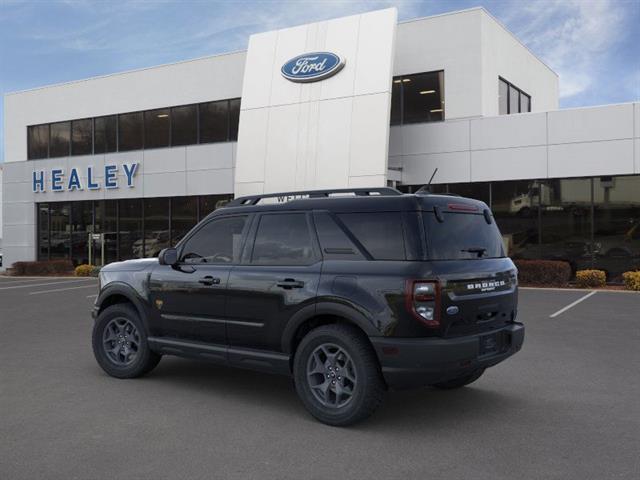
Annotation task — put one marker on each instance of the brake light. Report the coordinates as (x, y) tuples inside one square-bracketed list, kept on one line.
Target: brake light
[(423, 301), (462, 207)]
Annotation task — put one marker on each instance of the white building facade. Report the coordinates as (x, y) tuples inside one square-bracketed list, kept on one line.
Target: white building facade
[(121, 166)]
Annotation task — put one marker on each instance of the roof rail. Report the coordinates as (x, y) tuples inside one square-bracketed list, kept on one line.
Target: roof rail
[(288, 196)]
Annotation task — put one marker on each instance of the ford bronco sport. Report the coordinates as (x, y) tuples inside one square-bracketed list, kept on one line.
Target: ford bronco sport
[(349, 292)]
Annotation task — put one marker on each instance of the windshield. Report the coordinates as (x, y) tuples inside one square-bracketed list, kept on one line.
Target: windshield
[(462, 236)]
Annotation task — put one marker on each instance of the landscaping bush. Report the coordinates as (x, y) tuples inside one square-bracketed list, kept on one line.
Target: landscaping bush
[(95, 271), (84, 270), (553, 273), (631, 280), (48, 267), (591, 278)]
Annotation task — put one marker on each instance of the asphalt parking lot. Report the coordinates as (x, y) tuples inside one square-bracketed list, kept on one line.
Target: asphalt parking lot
[(567, 406)]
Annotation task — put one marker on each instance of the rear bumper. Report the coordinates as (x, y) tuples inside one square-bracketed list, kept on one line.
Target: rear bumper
[(415, 362)]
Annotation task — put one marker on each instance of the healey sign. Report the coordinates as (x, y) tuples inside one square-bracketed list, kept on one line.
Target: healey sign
[(312, 67), (57, 181)]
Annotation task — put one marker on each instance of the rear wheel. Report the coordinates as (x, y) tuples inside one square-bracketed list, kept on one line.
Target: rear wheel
[(337, 375), (120, 343), (460, 381)]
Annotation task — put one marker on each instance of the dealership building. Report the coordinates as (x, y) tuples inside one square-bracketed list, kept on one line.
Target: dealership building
[(120, 166)]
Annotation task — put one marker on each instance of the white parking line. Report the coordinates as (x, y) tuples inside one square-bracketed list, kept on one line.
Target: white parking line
[(61, 289), (92, 296), (45, 284), (573, 304)]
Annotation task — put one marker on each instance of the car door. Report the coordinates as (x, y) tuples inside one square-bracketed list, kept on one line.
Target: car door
[(278, 276), (189, 298)]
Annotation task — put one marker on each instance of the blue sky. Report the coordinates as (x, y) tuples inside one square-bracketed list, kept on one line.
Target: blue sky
[(594, 45)]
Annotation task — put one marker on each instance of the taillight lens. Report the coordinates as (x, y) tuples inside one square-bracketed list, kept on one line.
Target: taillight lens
[(423, 301)]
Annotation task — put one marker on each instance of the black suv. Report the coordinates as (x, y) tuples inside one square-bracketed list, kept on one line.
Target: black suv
[(350, 292)]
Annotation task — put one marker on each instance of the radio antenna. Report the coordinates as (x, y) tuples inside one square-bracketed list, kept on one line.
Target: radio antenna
[(425, 188)]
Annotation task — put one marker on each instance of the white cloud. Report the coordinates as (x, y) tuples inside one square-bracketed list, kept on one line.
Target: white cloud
[(572, 36)]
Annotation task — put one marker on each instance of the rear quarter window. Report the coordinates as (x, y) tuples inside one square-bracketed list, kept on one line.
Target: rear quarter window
[(380, 233)]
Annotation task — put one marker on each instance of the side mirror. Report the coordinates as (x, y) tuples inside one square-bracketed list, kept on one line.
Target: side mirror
[(168, 256)]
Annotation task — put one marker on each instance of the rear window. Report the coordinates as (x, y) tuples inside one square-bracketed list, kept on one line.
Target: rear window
[(462, 236), (380, 233)]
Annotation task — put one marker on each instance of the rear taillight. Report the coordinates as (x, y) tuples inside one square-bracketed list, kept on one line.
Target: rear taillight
[(423, 301)]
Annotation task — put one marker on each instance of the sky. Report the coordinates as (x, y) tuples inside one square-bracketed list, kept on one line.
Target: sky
[(593, 45)]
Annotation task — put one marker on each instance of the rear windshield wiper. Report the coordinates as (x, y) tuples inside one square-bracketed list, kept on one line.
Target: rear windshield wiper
[(479, 250)]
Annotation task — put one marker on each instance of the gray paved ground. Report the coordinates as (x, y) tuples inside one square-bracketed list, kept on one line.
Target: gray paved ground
[(567, 406)]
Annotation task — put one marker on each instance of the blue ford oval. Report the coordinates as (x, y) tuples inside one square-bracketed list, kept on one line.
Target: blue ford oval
[(311, 67)]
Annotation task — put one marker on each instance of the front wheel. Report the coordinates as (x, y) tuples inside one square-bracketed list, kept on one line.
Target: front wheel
[(337, 375), (120, 343), (460, 381)]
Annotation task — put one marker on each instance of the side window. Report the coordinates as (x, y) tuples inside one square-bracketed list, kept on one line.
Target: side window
[(283, 239), (217, 242), (380, 233)]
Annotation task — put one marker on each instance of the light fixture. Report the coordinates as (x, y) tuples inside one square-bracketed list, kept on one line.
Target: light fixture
[(425, 92), (406, 79), (397, 81), (163, 115), (436, 110)]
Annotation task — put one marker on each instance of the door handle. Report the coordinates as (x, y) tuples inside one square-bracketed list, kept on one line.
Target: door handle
[(289, 283), (209, 280)]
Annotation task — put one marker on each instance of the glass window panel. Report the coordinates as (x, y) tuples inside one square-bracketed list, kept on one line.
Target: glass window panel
[(218, 241), (617, 224), (283, 240), (43, 231), (234, 118), (156, 227), (157, 124), (380, 233), (184, 125), (514, 100), (130, 235), (105, 134), (60, 239), (59, 139), (106, 223), (184, 216), (565, 212), (81, 137), (209, 203), (38, 141), (214, 122), (81, 226), (130, 131), (514, 205), (422, 97), (525, 102), (503, 97), (396, 101), (478, 190)]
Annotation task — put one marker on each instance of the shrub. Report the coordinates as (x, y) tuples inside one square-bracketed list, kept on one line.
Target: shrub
[(48, 267), (552, 273), (631, 280), (95, 271), (591, 278), (84, 270)]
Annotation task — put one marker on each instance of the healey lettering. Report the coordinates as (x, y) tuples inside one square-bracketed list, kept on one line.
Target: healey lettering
[(57, 181)]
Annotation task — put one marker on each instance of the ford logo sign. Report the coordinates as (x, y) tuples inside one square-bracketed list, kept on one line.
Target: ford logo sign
[(312, 67)]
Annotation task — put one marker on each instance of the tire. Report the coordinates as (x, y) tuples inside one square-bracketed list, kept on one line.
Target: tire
[(318, 361), (130, 356), (460, 381)]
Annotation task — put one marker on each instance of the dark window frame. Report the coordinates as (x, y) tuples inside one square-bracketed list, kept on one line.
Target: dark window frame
[(521, 92), (231, 130), (400, 79)]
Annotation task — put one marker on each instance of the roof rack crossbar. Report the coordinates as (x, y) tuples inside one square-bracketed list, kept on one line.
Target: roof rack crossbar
[(287, 196)]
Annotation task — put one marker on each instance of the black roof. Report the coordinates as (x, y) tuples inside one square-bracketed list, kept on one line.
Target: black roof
[(360, 200)]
